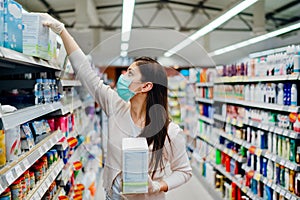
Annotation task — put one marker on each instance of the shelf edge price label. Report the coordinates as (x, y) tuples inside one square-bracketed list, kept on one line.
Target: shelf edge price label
[(9, 177), (26, 163), (293, 134), (286, 132), (294, 198), (18, 170), (288, 195), (1, 188), (282, 192), (282, 162)]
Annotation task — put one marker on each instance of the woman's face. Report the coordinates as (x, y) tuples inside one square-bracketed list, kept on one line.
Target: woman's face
[(134, 74)]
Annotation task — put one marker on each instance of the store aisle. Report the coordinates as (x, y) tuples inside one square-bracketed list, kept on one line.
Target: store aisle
[(192, 190)]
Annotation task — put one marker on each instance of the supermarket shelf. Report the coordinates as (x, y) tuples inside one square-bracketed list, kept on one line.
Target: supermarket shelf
[(42, 186), (213, 193), (13, 170), (259, 177), (69, 108), (208, 84), (206, 119), (11, 120), (246, 79), (70, 83), (204, 100), (20, 58), (222, 148), (88, 102), (260, 105), (259, 125), (245, 189), (282, 161), (274, 129), (274, 157)]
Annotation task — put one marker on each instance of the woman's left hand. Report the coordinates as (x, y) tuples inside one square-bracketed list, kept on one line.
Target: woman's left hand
[(153, 186)]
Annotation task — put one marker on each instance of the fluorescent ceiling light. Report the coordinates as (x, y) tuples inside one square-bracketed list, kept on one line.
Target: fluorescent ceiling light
[(211, 26), (127, 15), (124, 46), (255, 39), (123, 53)]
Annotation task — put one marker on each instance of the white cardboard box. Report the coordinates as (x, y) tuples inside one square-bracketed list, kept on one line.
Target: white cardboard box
[(135, 165), (35, 36)]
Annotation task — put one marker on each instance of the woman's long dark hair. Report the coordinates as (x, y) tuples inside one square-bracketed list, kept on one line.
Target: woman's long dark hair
[(157, 117)]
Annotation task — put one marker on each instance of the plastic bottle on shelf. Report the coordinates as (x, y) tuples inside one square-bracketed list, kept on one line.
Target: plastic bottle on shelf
[(294, 95), (38, 92), (47, 91), (280, 94), (252, 92)]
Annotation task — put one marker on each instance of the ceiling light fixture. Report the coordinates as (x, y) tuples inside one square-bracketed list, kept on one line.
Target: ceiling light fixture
[(127, 16), (211, 26), (255, 39)]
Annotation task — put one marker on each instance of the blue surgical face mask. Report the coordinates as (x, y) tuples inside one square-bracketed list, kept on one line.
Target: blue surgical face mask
[(123, 88)]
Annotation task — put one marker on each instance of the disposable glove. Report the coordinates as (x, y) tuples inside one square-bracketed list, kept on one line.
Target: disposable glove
[(55, 25), (153, 186)]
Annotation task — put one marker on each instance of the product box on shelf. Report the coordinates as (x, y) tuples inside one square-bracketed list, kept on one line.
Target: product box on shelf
[(2, 149), (135, 165), (1, 23), (13, 143), (52, 45), (13, 28), (36, 36), (27, 140)]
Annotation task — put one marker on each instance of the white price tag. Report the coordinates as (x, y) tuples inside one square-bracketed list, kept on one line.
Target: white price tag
[(18, 170), (278, 189), (9, 177), (43, 149), (48, 182), (1, 188), (294, 198), (26, 163), (265, 127), (293, 134), (274, 157), (286, 132), (288, 195), (282, 162), (272, 129), (265, 181), (45, 188), (282, 192), (278, 130)]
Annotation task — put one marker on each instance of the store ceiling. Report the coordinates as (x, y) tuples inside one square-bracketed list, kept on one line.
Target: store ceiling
[(160, 24)]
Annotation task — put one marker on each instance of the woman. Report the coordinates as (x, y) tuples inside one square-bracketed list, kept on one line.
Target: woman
[(139, 108)]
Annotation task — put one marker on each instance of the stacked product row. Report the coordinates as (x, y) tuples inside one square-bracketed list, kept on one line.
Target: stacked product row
[(24, 32), (281, 93), (21, 187), (283, 63)]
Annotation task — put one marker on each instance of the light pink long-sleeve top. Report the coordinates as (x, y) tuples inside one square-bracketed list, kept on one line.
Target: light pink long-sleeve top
[(121, 125)]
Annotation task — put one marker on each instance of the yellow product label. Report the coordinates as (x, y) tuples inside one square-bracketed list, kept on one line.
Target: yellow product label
[(2, 149)]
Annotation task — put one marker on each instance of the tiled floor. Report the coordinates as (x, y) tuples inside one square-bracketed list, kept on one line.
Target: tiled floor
[(193, 190)]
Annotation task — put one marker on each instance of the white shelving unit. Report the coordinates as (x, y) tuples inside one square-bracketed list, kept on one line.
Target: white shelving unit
[(70, 83), (246, 79), (206, 84), (42, 186), (11, 120), (204, 100), (268, 106), (206, 119), (13, 170)]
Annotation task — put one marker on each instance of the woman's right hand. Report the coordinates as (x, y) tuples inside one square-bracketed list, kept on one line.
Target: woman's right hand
[(52, 23)]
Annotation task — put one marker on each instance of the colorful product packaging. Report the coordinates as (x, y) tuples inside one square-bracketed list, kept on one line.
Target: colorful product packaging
[(13, 143), (13, 28), (2, 149), (35, 36), (135, 165)]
